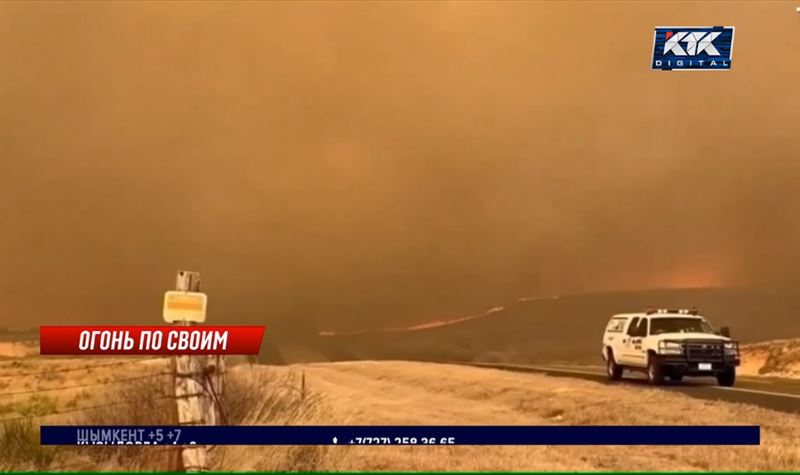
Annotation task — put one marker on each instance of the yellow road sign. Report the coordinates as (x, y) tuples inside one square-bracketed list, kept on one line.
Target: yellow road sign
[(184, 306)]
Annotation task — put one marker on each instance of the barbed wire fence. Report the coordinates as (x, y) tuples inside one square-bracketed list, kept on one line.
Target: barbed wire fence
[(115, 392), (107, 394), (195, 386), (139, 396), (51, 374), (80, 368)]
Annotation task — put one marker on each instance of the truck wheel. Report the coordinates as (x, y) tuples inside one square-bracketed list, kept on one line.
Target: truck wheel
[(613, 370), (655, 373), (727, 377)]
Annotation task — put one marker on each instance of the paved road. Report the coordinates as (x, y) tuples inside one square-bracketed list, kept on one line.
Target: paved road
[(779, 394)]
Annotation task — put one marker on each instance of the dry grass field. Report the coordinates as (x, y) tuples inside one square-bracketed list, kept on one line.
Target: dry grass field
[(17, 349), (378, 393), (421, 393)]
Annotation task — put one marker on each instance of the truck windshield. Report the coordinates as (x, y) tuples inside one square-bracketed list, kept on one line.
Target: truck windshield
[(679, 325)]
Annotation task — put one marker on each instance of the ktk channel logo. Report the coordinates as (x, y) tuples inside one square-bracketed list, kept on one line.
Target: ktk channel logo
[(693, 48)]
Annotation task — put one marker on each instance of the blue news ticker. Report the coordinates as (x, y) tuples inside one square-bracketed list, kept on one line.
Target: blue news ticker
[(400, 435)]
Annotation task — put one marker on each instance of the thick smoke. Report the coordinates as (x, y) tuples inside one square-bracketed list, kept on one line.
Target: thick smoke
[(358, 165)]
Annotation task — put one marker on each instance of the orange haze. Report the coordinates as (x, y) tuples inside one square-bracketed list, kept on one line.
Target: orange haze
[(361, 165)]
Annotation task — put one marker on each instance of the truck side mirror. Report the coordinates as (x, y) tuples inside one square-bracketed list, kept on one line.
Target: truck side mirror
[(725, 331)]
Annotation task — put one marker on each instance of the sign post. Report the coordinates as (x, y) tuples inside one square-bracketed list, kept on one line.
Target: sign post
[(187, 306)]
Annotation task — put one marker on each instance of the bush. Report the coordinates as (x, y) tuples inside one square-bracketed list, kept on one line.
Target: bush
[(20, 448), (36, 405), (260, 396)]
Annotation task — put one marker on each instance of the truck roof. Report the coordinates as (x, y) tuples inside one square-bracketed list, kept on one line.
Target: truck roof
[(657, 315)]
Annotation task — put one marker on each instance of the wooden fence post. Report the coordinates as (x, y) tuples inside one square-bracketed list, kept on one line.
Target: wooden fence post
[(190, 387), (174, 459)]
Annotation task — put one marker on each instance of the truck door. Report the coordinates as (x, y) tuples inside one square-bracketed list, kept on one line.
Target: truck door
[(614, 334), (638, 351), (627, 354)]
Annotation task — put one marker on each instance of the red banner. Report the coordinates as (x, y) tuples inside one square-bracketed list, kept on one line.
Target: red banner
[(150, 340)]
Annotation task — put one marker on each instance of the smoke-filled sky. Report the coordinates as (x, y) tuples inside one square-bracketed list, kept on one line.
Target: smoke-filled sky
[(372, 164)]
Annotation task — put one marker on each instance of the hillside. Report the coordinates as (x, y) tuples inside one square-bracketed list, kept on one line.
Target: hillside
[(562, 329), (772, 358)]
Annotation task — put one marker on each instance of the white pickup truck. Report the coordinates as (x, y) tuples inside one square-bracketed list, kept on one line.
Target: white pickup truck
[(669, 343)]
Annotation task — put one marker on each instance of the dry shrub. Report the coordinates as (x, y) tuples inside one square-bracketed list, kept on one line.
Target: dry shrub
[(260, 396), (20, 448), (37, 405), (257, 396)]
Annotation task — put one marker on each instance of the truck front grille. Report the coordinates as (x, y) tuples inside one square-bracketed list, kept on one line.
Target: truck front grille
[(704, 351)]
